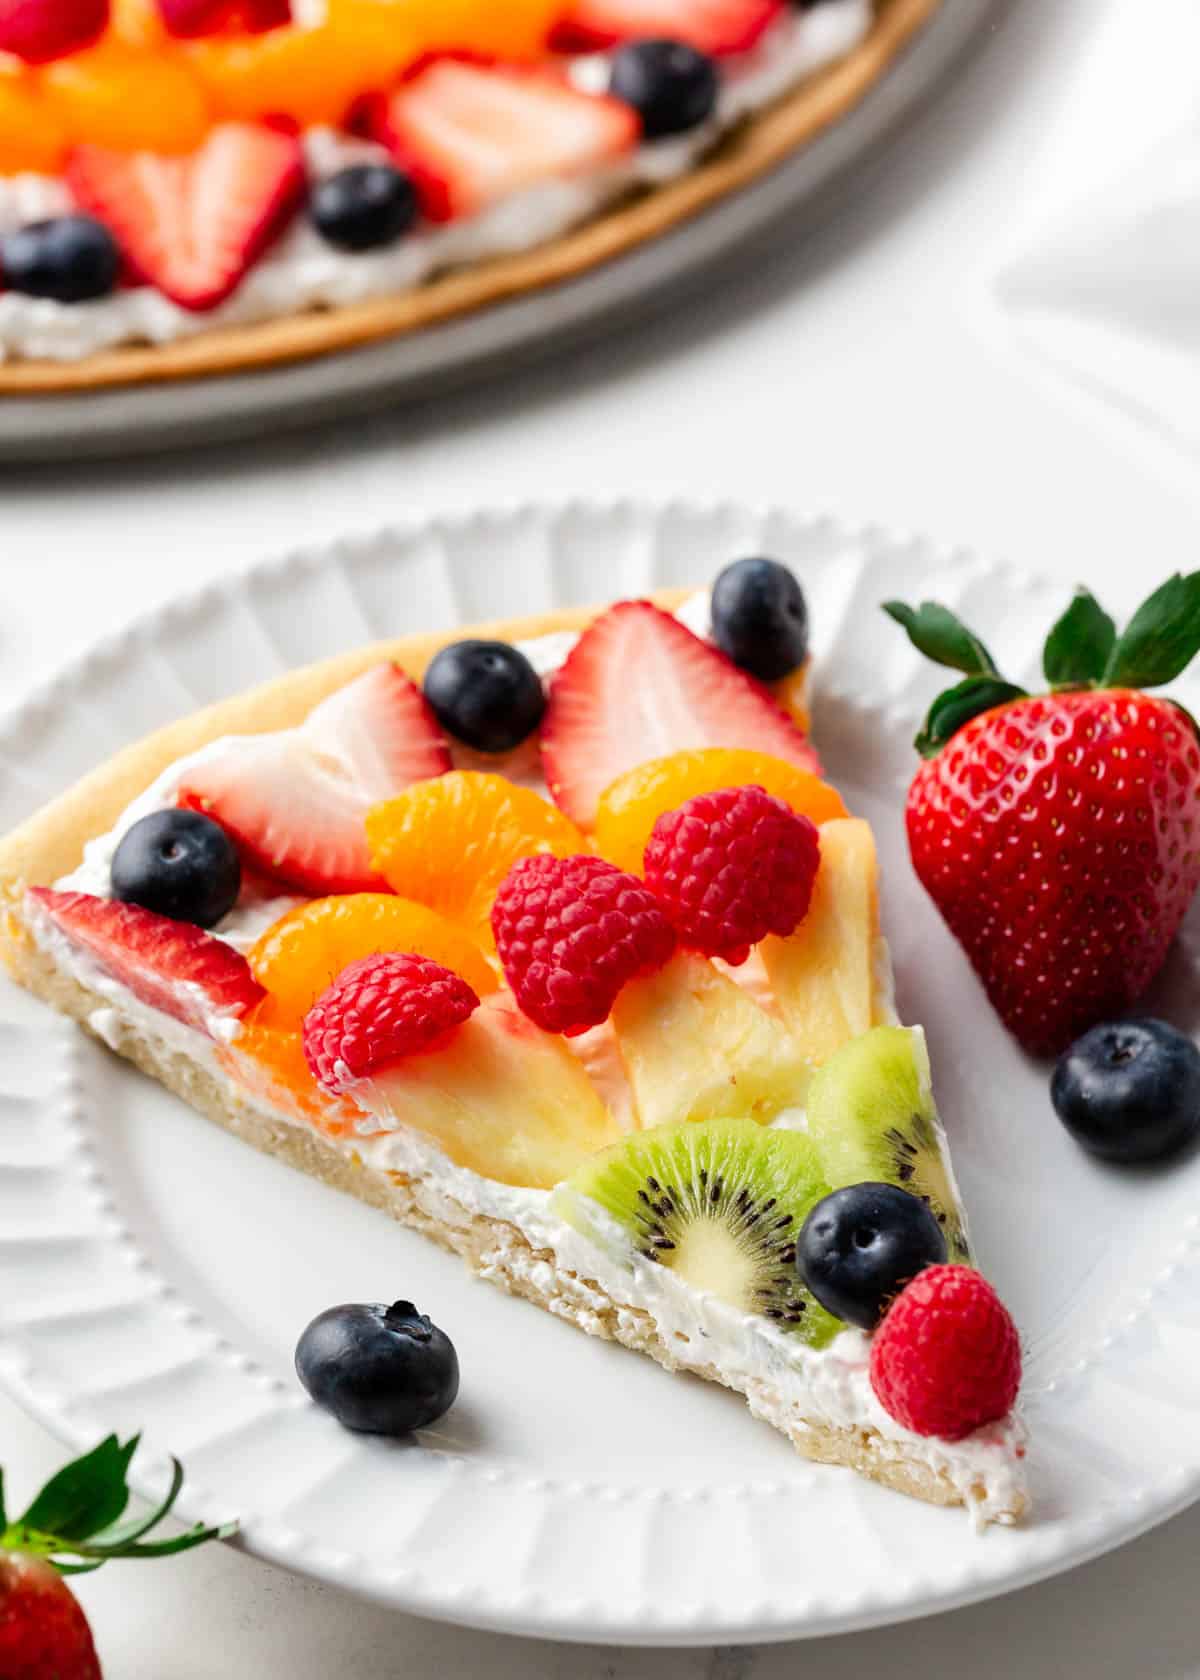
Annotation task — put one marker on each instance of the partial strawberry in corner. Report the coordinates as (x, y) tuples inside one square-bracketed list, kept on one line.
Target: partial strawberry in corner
[(1059, 833), (713, 26), (172, 966), (194, 226), (72, 1527), (296, 801), (40, 31), (639, 685), (469, 134)]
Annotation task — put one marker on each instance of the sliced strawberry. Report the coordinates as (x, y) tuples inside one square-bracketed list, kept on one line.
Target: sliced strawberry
[(41, 30), (296, 801), (261, 15), (470, 134), (639, 685), (714, 26), (172, 966), (188, 18), (193, 226)]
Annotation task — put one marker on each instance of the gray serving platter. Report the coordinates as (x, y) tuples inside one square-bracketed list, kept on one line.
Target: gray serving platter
[(173, 414)]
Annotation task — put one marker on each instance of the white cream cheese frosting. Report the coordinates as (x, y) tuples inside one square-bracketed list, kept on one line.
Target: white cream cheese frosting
[(304, 272)]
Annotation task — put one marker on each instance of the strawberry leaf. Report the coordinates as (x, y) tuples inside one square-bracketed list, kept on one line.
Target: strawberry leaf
[(85, 1496), (935, 631), (194, 1536), (1080, 645), (1161, 638), (958, 705), (121, 1539), (121, 1534), (74, 1523)]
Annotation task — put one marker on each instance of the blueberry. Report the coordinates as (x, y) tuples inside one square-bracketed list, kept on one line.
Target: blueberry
[(179, 864), (759, 618), (861, 1245), (485, 693), (1129, 1090), (382, 1370), (670, 85), (71, 259), (364, 206)]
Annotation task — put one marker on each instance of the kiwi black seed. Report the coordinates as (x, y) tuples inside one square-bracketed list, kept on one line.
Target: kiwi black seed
[(720, 1203), (872, 1117)]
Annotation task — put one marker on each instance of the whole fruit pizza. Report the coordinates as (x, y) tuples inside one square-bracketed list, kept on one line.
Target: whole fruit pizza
[(553, 941), (194, 186)]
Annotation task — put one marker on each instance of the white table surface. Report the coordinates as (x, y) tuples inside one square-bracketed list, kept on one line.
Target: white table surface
[(857, 369)]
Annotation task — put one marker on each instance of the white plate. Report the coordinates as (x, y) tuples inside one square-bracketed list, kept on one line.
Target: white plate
[(155, 1273), (416, 365)]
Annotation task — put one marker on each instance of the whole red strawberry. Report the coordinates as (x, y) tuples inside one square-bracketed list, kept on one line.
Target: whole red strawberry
[(73, 1525), (1059, 834), (946, 1358), (732, 867), (43, 1630)]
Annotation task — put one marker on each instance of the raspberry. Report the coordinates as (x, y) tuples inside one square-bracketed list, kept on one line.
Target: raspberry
[(380, 1008), (946, 1358), (571, 932), (732, 867)]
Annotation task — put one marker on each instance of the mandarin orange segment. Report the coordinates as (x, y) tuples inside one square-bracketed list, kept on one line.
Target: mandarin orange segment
[(518, 29), (315, 74), (308, 948), (631, 806), (31, 137), (126, 98), (450, 841), (269, 1062)]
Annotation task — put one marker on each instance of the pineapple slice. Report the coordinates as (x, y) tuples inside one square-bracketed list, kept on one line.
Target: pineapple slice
[(502, 1097), (823, 975), (696, 1046)]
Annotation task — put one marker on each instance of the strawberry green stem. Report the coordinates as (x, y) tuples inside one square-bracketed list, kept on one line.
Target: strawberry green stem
[(74, 1522), (1082, 651)]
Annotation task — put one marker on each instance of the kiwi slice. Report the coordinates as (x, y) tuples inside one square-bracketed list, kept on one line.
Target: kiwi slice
[(718, 1202), (872, 1117)]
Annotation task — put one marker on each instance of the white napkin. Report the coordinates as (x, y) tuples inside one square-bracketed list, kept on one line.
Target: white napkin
[(1105, 281)]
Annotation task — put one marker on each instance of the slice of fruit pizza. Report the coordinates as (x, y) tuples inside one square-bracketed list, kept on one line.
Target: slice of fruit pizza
[(553, 942)]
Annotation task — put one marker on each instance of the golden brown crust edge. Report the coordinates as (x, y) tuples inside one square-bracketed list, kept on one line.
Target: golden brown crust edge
[(489, 1246), (756, 148), (50, 843)]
